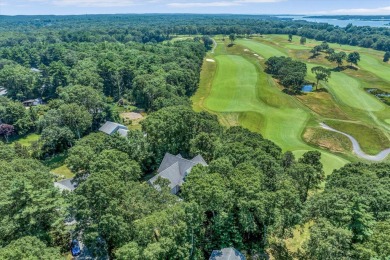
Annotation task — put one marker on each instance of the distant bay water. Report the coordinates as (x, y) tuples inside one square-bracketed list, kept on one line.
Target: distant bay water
[(341, 23)]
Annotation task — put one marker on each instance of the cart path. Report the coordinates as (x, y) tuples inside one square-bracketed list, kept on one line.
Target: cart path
[(356, 147)]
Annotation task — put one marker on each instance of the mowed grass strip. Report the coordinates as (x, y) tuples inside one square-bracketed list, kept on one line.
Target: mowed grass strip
[(234, 85)]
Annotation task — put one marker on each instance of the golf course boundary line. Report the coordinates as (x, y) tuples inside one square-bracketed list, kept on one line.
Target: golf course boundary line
[(356, 147)]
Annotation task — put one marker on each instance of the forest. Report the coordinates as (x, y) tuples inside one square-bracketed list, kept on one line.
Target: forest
[(85, 70)]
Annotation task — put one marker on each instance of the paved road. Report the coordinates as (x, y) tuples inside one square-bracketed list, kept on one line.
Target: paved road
[(356, 147)]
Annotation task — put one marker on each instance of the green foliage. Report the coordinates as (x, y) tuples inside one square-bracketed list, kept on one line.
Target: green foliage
[(303, 40), (386, 57), (337, 57), (321, 73), (20, 82), (15, 114), (30, 203), (29, 248), (232, 38), (171, 129), (290, 73), (107, 206), (353, 58), (361, 222), (355, 200), (328, 242), (118, 163)]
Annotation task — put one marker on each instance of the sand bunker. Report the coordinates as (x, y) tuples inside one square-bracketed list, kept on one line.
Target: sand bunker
[(246, 50), (257, 55), (210, 60)]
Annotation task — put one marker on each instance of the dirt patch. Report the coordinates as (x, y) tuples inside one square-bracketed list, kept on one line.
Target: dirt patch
[(328, 140), (131, 116)]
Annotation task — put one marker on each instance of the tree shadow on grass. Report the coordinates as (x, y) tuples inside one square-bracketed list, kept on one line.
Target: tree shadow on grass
[(339, 69), (351, 67)]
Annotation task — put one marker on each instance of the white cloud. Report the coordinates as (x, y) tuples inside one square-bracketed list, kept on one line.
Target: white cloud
[(362, 11)]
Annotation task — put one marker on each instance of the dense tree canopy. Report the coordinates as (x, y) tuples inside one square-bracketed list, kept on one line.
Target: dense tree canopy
[(88, 69), (289, 72)]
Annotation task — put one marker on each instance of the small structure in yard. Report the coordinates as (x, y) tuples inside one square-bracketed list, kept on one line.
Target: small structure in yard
[(35, 70), (32, 102), (175, 168), (65, 185), (111, 128), (227, 254)]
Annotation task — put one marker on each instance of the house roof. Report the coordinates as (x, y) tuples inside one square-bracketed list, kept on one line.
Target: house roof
[(175, 168), (3, 91), (65, 185), (227, 254), (123, 132), (111, 127)]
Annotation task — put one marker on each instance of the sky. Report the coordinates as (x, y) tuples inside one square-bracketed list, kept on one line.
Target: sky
[(327, 7)]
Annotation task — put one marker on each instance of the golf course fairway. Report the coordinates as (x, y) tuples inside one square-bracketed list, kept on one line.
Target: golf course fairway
[(241, 87)]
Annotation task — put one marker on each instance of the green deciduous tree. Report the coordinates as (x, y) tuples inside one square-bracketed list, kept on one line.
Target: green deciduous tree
[(361, 222), (386, 57), (321, 73), (353, 58), (29, 247), (338, 58), (328, 242), (20, 82), (232, 38)]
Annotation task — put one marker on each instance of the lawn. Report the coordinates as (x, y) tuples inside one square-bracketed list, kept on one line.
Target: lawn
[(28, 140), (63, 171)]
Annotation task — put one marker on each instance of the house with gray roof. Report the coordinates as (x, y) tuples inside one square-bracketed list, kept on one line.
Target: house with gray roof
[(111, 128), (3, 91), (66, 184), (175, 168), (227, 254)]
